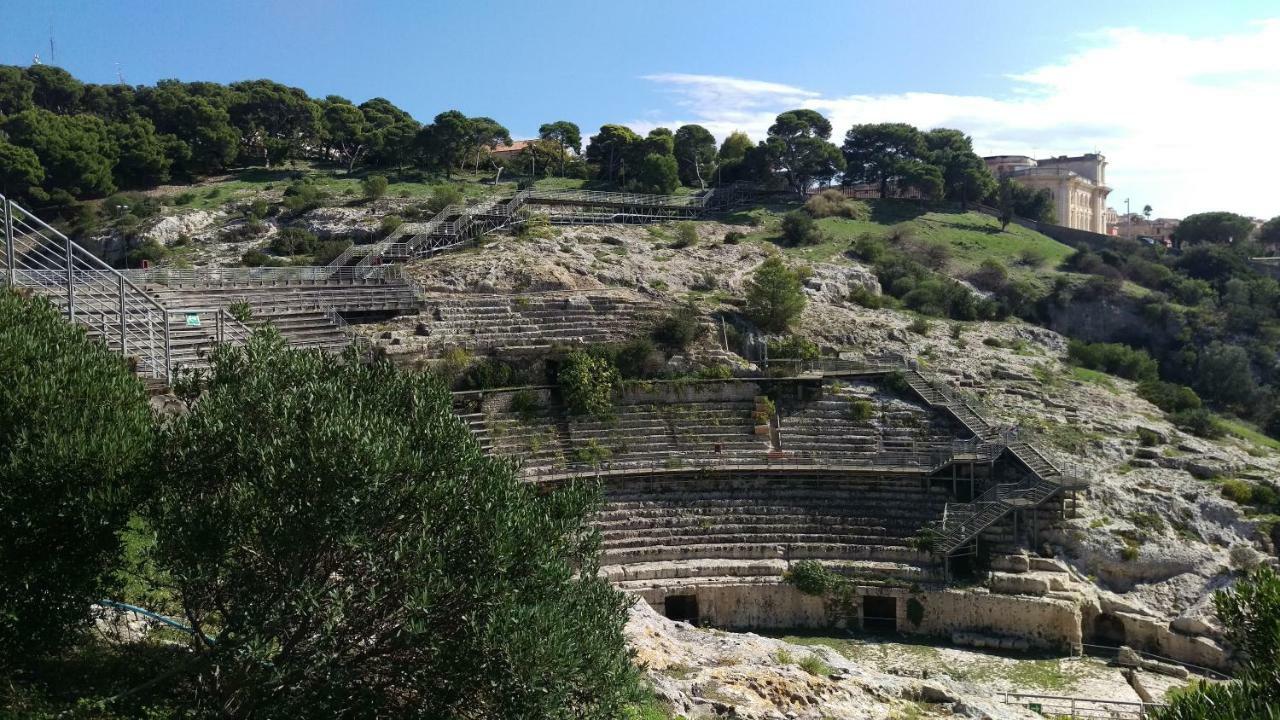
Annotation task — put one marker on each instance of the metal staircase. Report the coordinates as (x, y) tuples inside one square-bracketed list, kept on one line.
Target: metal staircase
[(157, 339), (962, 522)]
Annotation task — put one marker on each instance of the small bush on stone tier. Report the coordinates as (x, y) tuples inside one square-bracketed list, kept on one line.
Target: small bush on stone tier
[(680, 328), (587, 384), (75, 433), (1169, 397), (919, 326), (896, 382), (810, 577), (793, 347), (814, 665), (733, 237), (240, 311), (1148, 437), (861, 410), (293, 241), (525, 404)]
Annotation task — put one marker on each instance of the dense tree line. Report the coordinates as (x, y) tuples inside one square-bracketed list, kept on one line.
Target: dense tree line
[(63, 140)]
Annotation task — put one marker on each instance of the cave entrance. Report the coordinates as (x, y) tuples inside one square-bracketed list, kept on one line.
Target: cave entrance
[(1108, 630), (681, 607), (879, 614)]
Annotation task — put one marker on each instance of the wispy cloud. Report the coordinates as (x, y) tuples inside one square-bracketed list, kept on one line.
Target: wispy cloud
[(1186, 122)]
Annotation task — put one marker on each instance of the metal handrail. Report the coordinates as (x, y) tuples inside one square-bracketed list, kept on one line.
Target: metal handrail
[(262, 275), (92, 293)]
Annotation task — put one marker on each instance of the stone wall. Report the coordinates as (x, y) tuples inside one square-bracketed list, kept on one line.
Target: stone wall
[(1042, 622)]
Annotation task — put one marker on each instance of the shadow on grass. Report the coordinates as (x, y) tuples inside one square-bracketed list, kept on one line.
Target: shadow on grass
[(890, 212)]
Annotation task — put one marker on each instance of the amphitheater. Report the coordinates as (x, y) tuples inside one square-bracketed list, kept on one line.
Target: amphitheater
[(713, 489)]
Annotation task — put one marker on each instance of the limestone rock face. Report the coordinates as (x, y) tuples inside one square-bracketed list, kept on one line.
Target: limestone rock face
[(705, 674)]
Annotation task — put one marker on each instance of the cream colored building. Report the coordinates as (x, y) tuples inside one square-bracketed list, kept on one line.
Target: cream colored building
[(1078, 185)]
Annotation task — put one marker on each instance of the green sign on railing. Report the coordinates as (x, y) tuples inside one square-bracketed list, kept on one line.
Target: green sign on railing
[(193, 319)]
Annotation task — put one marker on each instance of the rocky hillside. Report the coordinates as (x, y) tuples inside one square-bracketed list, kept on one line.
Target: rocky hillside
[(1156, 534)]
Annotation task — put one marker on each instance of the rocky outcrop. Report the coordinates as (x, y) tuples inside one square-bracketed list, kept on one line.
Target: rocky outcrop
[(704, 674)]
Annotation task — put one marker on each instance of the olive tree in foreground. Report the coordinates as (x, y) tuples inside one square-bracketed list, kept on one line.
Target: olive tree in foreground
[(75, 430), (349, 551), (1251, 614)]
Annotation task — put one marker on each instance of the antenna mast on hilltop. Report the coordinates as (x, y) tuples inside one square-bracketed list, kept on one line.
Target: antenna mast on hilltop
[(120, 74)]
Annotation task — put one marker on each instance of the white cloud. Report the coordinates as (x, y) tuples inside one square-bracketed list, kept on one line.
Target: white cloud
[(1185, 122)]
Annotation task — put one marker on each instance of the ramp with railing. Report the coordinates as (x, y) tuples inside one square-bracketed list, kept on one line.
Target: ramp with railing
[(459, 224), (156, 338)]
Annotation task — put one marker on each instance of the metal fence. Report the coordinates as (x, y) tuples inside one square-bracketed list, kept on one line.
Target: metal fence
[(1065, 706)]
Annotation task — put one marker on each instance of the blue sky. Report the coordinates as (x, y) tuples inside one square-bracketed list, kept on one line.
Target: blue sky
[(1013, 74)]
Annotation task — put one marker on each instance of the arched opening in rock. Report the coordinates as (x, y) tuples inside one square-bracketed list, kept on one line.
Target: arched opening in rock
[(1108, 630), (681, 607), (879, 614)]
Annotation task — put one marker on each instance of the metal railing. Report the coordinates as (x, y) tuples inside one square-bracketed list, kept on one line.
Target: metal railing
[(104, 300), (303, 274), (1065, 706), (131, 322)]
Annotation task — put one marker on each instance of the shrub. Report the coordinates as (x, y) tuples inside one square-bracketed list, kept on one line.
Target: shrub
[(798, 228), (303, 195), (257, 258), (389, 224), (1032, 257), (833, 203), (686, 236), (150, 251), (184, 198), (861, 410), (1239, 491), (809, 577), (636, 358), (293, 241), (442, 196), (1169, 397), (793, 347), (1113, 358), (373, 187), (310, 460), (934, 255), (775, 295), (525, 404), (241, 311), (1199, 422), (75, 432), (326, 251), (867, 298), (919, 326), (814, 665), (489, 373), (718, 371), (733, 237), (587, 384), (257, 210), (991, 275), (680, 328), (901, 234)]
